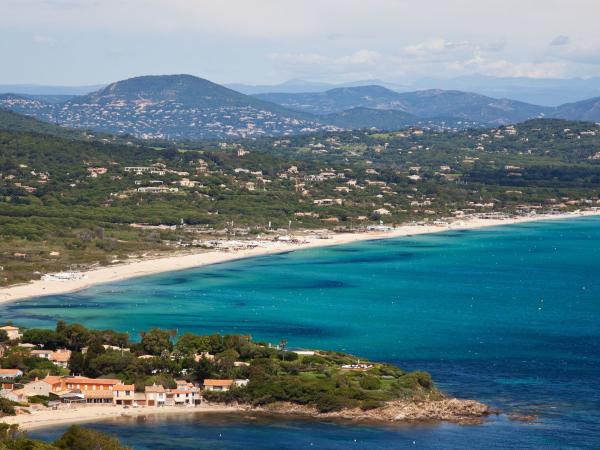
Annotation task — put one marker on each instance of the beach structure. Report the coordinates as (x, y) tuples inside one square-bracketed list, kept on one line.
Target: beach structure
[(92, 390), (64, 276), (182, 397), (156, 395), (186, 394), (357, 367), (123, 394), (303, 352)]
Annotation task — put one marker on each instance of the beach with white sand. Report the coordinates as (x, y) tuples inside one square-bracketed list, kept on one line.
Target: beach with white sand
[(305, 240)]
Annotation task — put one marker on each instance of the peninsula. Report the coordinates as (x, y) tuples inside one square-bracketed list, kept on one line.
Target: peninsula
[(74, 374)]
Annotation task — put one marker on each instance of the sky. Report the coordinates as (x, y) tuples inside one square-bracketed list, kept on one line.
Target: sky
[(86, 42)]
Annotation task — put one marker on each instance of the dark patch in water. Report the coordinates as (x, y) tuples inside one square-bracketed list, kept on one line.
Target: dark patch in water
[(41, 317), (340, 249), (172, 281), (210, 275), (291, 283), (377, 259), (415, 245)]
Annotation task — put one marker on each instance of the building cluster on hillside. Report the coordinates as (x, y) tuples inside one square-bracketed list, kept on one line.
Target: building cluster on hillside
[(78, 389), (167, 119), (85, 390)]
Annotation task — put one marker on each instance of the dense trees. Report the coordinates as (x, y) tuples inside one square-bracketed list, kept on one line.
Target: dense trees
[(274, 374), (156, 341), (75, 438), (79, 438)]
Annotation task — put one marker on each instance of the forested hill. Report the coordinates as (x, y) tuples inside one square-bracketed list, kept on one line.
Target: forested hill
[(17, 122), (185, 90)]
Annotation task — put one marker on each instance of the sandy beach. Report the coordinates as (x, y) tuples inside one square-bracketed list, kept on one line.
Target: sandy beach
[(95, 413), (139, 268)]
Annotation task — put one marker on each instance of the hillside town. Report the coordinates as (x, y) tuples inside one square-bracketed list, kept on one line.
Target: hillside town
[(167, 120)]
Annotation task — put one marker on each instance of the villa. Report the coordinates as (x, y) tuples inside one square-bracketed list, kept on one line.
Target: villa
[(9, 374), (217, 385), (59, 357), (123, 394), (156, 395), (12, 332)]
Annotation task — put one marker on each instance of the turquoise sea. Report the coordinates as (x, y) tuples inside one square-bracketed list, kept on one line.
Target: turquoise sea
[(505, 315)]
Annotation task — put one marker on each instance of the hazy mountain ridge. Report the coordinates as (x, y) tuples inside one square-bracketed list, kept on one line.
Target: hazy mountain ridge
[(434, 103), (182, 107), (538, 91), (586, 110), (425, 104), (339, 99)]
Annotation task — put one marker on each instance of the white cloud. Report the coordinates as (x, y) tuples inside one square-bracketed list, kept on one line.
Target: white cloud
[(337, 39), (430, 57)]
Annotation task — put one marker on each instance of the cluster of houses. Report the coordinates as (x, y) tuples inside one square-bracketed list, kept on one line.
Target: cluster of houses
[(84, 390)]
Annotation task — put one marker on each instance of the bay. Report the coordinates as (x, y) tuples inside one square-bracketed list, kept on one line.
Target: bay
[(506, 315)]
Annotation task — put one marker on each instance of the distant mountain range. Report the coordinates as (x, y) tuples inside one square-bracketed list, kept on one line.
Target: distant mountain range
[(187, 107), (538, 91), (298, 86), (433, 103)]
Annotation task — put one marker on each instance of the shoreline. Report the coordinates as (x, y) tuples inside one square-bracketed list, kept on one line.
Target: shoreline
[(449, 410), (49, 418), (172, 263)]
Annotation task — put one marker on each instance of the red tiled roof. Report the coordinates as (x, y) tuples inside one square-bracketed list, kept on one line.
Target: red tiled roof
[(98, 394), (52, 379), (124, 387), (159, 389), (209, 382), (61, 356), (41, 352), (86, 380)]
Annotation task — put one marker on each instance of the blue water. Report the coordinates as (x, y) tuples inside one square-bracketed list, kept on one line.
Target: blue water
[(506, 315)]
